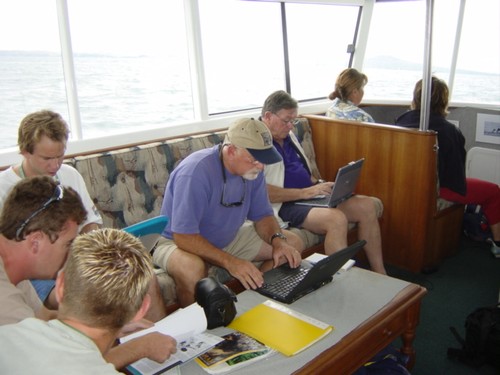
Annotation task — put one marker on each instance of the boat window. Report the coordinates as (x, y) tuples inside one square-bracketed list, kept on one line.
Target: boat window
[(477, 79), (242, 53), (31, 74), (131, 64), (394, 54), (242, 67), (318, 51)]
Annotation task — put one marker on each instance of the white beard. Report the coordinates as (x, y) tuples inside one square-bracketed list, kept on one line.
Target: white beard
[(251, 174)]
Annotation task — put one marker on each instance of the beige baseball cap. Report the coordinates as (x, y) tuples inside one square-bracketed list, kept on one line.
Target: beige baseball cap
[(255, 137)]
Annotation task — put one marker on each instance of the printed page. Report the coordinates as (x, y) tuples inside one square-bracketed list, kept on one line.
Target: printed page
[(186, 350), (181, 324)]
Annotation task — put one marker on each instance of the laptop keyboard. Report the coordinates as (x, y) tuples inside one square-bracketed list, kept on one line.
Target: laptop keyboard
[(284, 285), (323, 200)]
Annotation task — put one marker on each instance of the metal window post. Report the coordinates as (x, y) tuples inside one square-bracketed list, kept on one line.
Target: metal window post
[(427, 77)]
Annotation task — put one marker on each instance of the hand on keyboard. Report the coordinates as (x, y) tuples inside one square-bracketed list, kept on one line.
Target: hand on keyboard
[(314, 191), (246, 272)]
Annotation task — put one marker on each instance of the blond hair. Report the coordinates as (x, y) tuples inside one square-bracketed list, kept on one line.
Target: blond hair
[(106, 277)]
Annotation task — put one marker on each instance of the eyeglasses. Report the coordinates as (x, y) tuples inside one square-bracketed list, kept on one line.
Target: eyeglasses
[(57, 196), (222, 200), (233, 204), (293, 121)]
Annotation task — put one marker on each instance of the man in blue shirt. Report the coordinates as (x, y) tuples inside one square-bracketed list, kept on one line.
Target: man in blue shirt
[(291, 180), (220, 214)]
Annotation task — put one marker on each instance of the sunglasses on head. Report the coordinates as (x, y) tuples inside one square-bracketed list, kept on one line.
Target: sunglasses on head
[(57, 196)]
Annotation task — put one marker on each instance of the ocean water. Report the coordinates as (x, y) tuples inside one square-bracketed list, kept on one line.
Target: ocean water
[(118, 94)]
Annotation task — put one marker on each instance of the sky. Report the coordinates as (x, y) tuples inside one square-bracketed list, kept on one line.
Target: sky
[(478, 33), (117, 25)]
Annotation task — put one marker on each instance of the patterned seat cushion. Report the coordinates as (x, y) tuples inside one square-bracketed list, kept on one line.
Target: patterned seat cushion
[(127, 185)]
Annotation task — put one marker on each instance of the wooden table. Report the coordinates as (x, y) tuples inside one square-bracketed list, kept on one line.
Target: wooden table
[(399, 318), (368, 311)]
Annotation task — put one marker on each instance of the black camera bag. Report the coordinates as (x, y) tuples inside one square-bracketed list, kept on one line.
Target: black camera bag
[(217, 300)]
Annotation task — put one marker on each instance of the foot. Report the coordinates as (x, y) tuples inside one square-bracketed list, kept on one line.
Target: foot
[(495, 249)]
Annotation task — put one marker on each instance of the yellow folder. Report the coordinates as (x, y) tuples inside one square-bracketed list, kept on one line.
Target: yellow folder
[(280, 327)]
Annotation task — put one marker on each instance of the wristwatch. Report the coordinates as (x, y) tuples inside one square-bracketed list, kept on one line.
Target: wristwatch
[(277, 235)]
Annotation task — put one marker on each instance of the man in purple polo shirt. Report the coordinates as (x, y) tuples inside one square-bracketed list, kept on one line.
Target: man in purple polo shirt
[(291, 180), (220, 214)]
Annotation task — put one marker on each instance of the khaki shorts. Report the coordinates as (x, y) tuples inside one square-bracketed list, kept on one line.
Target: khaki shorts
[(310, 239), (246, 245)]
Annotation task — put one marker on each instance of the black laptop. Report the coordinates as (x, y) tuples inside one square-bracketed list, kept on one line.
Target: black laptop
[(343, 188), (287, 284)]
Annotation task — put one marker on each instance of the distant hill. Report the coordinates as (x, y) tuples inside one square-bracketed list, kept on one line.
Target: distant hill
[(390, 62)]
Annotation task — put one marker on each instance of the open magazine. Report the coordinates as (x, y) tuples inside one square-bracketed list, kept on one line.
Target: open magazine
[(187, 326), (237, 350)]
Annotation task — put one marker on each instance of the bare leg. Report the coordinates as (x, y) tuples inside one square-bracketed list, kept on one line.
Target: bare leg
[(362, 210), (157, 310), (330, 222), (186, 269), (495, 231)]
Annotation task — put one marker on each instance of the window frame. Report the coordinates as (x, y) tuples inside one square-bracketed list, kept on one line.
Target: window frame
[(203, 120)]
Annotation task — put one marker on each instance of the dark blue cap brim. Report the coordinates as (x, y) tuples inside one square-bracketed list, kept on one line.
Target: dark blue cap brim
[(268, 156)]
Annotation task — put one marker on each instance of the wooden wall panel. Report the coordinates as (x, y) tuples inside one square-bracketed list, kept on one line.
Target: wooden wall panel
[(400, 169)]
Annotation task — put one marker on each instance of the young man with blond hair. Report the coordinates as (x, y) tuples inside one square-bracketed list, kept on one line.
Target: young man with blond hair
[(42, 139)]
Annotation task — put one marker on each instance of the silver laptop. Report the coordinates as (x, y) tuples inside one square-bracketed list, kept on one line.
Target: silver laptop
[(343, 189)]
